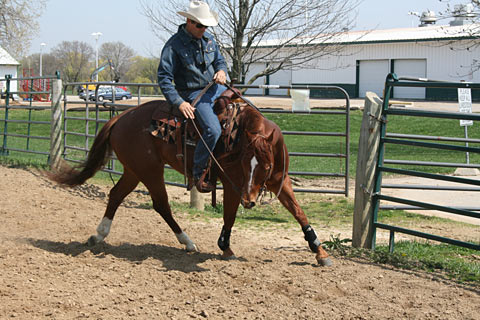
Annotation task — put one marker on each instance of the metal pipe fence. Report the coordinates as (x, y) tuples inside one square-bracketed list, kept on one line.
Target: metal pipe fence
[(79, 133), (408, 140), (26, 133)]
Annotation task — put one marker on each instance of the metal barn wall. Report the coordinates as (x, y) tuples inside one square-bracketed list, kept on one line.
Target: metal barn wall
[(8, 70), (444, 61)]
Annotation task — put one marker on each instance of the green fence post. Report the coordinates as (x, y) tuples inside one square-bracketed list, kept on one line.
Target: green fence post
[(3, 150)]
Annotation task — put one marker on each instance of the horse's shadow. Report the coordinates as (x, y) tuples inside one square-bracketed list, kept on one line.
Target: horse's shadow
[(172, 258)]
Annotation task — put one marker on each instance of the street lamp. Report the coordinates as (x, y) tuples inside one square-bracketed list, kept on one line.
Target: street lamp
[(96, 35), (43, 44)]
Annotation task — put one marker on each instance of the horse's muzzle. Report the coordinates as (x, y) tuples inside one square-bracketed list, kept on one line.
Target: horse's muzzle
[(248, 204)]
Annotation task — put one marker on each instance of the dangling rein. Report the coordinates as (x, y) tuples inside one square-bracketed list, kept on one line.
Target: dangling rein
[(263, 189), (205, 144)]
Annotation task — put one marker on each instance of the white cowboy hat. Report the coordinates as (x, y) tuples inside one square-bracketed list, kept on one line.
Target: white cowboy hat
[(199, 11)]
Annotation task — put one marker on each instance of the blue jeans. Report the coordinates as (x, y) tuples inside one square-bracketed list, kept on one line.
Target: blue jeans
[(208, 121)]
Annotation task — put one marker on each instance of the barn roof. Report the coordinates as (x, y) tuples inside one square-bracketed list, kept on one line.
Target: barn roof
[(417, 34), (7, 59), (428, 33)]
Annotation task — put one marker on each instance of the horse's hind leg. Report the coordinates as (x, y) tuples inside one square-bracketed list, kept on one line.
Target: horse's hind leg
[(156, 186), (124, 186)]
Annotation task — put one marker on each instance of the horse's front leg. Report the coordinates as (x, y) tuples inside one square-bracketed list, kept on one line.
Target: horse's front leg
[(288, 200), (231, 201)]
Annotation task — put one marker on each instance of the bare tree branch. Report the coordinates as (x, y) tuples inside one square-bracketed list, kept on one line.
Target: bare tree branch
[(18, 24), (73, 58), (281, 34), (120, 54), (470, 15)]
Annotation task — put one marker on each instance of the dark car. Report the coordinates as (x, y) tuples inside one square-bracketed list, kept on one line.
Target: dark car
[(107, 94)]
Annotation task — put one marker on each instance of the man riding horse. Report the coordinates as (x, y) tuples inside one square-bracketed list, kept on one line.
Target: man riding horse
[(258, 153), (190, 60)]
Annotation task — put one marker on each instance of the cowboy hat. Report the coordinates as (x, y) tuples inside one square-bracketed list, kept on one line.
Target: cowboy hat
[(199, 11)]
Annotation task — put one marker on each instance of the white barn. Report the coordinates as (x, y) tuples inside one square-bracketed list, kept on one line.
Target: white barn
[(433, 52), (8, 66)]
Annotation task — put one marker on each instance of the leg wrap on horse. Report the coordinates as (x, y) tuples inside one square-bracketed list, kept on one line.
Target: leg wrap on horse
[(311, 237), (224, 240)]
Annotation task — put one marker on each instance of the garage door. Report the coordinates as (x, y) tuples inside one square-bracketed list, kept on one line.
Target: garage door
[(281, 78), (372, 76), (254, 69), (412, 68)]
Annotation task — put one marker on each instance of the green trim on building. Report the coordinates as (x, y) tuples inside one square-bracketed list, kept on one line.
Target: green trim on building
[(446, 94), (330, 93)]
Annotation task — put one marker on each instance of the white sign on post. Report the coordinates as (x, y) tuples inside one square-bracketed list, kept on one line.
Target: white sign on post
[(465, 104)]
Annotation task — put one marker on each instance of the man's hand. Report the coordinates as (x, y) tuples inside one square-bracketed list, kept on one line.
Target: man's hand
[(220, 77), (187, 110)]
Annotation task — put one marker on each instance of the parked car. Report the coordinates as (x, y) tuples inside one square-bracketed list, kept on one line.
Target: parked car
[(120, 94), (106, 93)]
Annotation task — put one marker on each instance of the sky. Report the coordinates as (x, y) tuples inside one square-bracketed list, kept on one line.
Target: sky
[(122, 20)]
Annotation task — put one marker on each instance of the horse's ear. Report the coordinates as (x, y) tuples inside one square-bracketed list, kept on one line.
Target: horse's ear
[(270, 137)]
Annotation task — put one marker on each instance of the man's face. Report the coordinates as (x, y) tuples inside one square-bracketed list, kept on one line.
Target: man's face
[(196, 29)]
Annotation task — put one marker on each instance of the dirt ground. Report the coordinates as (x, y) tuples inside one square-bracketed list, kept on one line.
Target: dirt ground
[(142, 272)]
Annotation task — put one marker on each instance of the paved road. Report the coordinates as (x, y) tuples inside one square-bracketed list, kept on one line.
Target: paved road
[(443, 198)]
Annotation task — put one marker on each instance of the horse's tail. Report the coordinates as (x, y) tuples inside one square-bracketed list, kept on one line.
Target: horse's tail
[(97, 157)]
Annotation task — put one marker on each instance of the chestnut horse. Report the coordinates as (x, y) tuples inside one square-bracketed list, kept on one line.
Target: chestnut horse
[(260, 153)]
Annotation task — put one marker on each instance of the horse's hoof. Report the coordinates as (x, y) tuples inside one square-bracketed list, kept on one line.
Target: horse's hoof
[(92, 241), (228, 255), (325, 262), (228, 258), (191, 248)]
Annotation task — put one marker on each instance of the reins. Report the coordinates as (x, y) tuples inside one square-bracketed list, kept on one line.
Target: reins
[(263, 189), (205, 143)]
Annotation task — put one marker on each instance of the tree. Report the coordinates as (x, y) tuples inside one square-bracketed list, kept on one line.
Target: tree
[(73, 60), (120, 55), (143, 70), (31, 64), (280, 34), (18, 24)]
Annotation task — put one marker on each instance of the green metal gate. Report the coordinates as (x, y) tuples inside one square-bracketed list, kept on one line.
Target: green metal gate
[(385, 165), (27, 128)]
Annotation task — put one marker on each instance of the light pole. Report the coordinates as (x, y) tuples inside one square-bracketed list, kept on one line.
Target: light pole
[(43, 44), (96, 35)]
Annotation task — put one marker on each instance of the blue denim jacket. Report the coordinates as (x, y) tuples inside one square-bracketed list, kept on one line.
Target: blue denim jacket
[(183, 67)]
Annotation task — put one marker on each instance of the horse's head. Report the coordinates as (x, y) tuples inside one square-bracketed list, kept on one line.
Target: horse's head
[(257, 166)]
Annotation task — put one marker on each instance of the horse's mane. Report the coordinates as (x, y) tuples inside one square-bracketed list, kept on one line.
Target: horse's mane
[(251, 119)]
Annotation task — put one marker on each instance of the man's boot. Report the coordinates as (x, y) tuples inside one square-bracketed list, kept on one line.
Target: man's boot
[(203, 185)]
